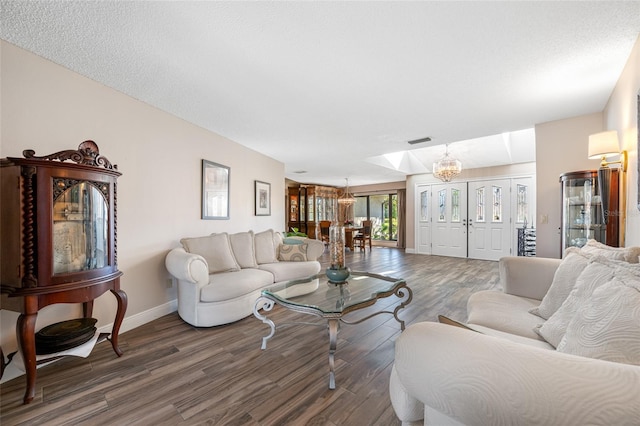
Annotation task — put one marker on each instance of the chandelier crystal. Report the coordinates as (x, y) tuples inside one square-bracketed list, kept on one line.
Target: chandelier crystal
[(447, 167), (346, 199)]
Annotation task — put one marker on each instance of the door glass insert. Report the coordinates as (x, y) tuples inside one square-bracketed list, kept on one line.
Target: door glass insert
[(497, 204), (455, 205), (480, 213), (522, 206), (442, 203), (80, 226), (424, 205)]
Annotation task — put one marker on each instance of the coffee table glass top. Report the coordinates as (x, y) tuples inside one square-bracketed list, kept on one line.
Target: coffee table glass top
[(316, 292)]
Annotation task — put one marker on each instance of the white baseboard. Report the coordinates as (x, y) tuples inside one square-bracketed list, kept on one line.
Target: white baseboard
[(409, 250), (135, 321), (129, 323)]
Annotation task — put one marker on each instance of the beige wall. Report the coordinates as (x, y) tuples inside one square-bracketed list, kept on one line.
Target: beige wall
[(389, 187), (621, 114), (48, 108), (561, 146)]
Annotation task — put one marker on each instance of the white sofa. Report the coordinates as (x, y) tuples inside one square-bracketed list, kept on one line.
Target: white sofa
[(220, 276), (504, 371)]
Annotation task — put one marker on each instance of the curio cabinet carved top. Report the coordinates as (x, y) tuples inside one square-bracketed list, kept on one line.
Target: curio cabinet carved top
[(58, 217)]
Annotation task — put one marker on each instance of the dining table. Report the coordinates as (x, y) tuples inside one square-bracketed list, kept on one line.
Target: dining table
[(349, 233)]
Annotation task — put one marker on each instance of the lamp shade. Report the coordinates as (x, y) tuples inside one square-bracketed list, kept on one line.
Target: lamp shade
[(604, 144)]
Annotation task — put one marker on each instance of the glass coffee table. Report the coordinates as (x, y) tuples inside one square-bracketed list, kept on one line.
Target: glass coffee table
[(317, 296)]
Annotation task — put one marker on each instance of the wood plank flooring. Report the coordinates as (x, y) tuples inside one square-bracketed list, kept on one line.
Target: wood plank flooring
[(174, 374)]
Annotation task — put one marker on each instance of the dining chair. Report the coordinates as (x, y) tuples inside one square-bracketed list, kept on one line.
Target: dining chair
[(324, 231), (361, 238)]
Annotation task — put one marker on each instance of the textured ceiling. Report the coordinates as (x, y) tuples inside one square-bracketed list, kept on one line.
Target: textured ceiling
[(330, 87)]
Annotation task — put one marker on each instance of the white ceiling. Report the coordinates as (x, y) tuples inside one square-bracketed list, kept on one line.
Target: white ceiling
[(330, 87)]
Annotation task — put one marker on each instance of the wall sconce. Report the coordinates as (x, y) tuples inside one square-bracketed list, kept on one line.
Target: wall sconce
[(604, 145)]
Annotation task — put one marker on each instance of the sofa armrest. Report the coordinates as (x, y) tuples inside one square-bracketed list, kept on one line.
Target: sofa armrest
[(187, 267), (527, 276), (479, 379)]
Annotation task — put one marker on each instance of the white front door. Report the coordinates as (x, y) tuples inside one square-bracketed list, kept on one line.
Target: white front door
[(489, 219), (449, 213), (423, 213)]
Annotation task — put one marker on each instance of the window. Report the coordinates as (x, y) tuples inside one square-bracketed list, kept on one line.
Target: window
[(480, 204), (455, 205), (497, 204), (382, 210), (442, 205)]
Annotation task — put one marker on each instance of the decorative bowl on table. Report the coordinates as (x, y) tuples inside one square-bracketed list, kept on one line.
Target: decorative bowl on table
[(338, 275)]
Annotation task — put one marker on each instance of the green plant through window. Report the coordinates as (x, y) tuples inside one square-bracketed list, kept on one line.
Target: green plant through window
[(382, 210)]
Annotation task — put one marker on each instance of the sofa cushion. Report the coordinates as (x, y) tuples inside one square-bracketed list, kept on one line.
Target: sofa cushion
[(564, 279), (285, 271), (503, 312), (512, 337), (230, 285), (627, 254), (293, 252), (264, 247), (243, 249), (599, 271), (607, 326), (215, 249)]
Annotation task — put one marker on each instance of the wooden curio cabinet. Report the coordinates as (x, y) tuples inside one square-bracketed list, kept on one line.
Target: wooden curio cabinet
[(590, 208), (308, 205), (59, 239)]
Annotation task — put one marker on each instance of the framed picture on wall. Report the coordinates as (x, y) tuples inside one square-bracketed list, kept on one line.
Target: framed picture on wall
[(263, 198), (215, 190)]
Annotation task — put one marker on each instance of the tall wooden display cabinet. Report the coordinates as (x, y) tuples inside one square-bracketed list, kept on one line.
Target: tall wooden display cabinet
[(58, 239)]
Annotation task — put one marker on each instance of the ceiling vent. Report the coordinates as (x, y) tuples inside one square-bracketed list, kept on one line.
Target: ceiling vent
[(413, 142)]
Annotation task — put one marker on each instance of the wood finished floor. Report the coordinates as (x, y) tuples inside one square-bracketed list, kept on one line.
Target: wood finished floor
[(174, 374)]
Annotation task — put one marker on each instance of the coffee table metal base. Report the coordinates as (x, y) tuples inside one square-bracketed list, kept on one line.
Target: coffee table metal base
[(266, 303)]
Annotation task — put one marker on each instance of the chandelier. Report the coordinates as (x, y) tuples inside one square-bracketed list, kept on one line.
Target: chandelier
[(346, 199), (447, 167)]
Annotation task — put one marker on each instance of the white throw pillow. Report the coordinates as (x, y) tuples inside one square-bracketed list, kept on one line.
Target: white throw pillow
[(595, 274), (598, 272), (265, 247), (564, 279), (627, 254), (215, 249), (607, 326), (293, 252), (243, 249)]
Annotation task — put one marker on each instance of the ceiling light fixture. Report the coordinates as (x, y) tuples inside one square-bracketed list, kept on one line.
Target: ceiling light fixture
[(346, 199), (447, 167)]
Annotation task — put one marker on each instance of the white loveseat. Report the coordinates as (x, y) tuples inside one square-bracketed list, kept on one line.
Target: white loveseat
[(506, 371), (220, 276)]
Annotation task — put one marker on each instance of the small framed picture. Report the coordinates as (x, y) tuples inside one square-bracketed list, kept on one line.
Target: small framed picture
[(263, 198), (215, 190)]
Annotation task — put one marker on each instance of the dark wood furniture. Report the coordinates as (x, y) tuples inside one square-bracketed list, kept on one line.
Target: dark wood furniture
[(363, 238), (590, 207), (349, 233), (59, 239), (324, 230), (310, 204)]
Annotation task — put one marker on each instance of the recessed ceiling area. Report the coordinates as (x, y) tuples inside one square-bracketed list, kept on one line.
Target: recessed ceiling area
[(337, 89)]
